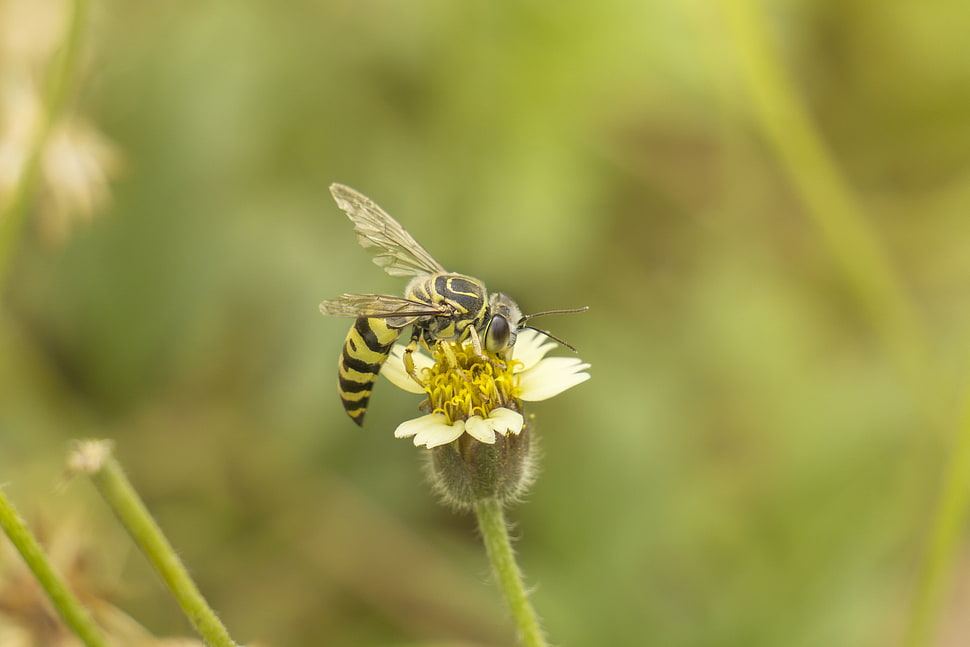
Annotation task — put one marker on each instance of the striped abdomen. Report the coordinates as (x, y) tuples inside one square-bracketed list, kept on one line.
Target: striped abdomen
[(365, 350)]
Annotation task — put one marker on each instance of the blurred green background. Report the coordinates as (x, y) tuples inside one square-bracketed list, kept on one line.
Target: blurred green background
[(748, 465)]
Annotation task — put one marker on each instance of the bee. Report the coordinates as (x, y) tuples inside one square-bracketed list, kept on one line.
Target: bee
[(438, 305)]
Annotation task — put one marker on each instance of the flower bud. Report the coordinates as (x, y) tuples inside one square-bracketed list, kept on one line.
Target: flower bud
[(468, 470)]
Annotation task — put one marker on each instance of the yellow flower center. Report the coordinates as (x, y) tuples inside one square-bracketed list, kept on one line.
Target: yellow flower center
[(462, 383)]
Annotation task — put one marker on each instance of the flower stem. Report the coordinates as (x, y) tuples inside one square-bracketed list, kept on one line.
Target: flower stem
[(95, 459), (829, 200), (950, 518), (69, 607), (58, 83), (495, 534), (836, 213)]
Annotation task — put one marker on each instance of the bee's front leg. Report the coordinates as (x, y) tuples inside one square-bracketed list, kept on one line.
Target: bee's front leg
[(452, 358), (409, 356), (480, 351), (476, 342)]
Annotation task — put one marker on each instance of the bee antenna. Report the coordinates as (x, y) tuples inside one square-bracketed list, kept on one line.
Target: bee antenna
[(551, 336), (552, 312), (521, 324)]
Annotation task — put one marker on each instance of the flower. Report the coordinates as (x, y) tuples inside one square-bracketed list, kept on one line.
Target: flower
[(480, 443), (480, 396), (73, 162), (76, 161), (434, 429)]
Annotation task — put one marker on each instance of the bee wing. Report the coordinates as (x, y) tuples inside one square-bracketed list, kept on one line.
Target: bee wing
[(381, 306), (393, 247)]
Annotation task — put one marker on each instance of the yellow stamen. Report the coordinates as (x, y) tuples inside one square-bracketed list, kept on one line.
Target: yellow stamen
[(463, 383)]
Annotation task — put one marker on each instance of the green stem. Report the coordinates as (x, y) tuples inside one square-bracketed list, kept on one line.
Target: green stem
[(833, 208), (94, 458), (829, 201), (58, 84), (950, 518), (495, 534), (69, 607)]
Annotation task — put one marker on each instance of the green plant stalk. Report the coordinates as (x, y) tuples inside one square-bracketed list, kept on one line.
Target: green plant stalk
[(495, 534), (59, 81), (829, 202), (833, 209), (75, 616), (950, 516), (129, 508)]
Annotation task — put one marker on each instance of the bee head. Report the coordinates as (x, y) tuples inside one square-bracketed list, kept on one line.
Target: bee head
[(505, 320)]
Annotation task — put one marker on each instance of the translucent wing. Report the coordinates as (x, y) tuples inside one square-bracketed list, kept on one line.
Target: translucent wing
[(394, 249), (381, 306)]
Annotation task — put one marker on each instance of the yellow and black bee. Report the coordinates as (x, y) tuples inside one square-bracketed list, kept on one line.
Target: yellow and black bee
[(439, 305)]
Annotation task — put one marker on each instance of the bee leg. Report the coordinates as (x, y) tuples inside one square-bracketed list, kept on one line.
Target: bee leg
[(476, 342), (450, 354), (453, 360), (409, 357), (477, 347)]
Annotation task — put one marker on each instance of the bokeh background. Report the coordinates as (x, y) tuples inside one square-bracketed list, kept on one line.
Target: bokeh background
[(755, 461)]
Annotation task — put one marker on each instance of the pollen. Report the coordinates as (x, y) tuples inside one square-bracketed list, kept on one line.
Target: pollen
[(462, 383)]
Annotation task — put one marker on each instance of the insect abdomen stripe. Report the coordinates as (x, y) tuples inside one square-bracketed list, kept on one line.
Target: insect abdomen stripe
[(348, 386), (365, 351), (358, 364), (373, 338)]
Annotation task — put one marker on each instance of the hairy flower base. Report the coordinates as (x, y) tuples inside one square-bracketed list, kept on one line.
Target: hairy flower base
[(467, 471)]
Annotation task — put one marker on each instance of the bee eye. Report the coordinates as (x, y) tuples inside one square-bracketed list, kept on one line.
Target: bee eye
[(497, 335)]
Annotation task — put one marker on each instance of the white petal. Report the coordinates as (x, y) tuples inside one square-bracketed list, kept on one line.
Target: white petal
[(506, 421), (417, 425), (480, 429), (551, 377), (439, 434), (394, 370), (530, 347)]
